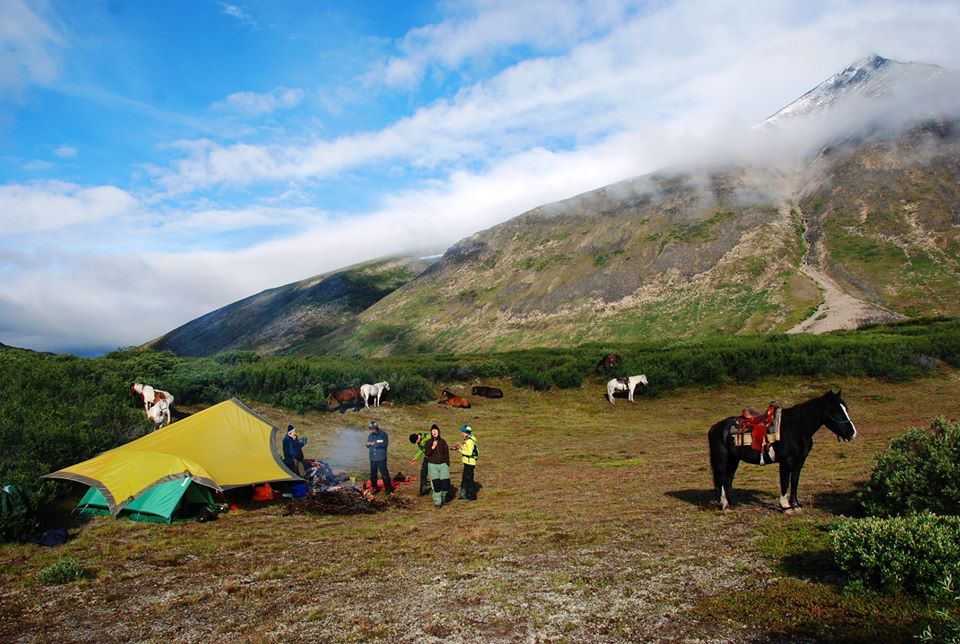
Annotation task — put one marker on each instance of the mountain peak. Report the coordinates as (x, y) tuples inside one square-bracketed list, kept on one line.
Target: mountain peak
[(872, 76)]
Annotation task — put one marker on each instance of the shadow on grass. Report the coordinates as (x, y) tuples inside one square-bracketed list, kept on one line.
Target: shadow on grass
[(708, 498), (839, 503)]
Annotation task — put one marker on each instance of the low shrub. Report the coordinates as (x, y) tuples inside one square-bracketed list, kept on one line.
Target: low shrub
[(919, 471), (910, 553), (411, 389), (62, 571), (948, 628), (565, 377), (531, 377)]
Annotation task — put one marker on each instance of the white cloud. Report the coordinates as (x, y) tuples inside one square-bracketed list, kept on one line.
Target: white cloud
[(237, 12), (256, 104), (482, 30), (689, 65), (30, 46), (55, 205), (65, 152)]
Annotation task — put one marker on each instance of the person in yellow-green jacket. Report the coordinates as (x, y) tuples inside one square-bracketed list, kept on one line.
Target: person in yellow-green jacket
[(469, 453)]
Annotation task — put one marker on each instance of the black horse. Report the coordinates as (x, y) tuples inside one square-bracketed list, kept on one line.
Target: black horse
[(798, 424)]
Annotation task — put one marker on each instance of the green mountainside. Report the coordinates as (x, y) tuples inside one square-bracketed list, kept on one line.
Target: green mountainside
[(720, 252), (295, 317), (864, 228)]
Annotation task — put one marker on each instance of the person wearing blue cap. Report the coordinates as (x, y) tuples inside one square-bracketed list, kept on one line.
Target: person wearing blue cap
[(377, 443), (468, 453)]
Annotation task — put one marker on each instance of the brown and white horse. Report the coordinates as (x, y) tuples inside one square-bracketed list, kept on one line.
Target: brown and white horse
[(156, 402)]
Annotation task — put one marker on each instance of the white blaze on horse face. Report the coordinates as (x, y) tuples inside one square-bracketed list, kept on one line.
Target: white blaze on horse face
[(849, 420)]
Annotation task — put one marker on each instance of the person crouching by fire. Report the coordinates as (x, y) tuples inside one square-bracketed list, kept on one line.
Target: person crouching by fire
[(418, 440), (437, 454), (469, 452)]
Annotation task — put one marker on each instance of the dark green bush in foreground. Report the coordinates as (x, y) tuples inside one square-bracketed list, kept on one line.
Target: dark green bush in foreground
[(913, 553), (919, 471)]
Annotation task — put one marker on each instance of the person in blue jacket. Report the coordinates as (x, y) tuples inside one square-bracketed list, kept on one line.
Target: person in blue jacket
[(293, 451), (377, 443)]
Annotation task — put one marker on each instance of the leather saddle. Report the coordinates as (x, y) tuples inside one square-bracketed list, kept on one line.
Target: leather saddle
[(763, 426)]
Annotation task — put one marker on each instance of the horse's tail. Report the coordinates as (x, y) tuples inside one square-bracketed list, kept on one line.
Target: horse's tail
[(721, 444)]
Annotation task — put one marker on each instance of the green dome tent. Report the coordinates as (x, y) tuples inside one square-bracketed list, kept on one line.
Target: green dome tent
[(176, 500)]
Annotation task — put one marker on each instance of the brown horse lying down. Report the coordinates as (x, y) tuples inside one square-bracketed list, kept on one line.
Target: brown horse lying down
[(341, 399), (447, 398)]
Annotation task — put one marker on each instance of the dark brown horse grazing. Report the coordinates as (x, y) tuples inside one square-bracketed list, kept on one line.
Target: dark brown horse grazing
[(609, 361), (341, 399), (797, 427)]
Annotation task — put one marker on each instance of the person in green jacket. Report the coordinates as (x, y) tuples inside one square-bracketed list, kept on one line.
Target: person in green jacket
[(437, 454), (417, 439), (468, 452)]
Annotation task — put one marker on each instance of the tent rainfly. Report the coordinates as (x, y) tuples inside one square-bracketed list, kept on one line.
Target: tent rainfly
[(222, 447)]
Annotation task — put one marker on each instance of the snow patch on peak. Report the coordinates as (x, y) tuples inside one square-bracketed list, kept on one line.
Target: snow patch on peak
[(871, 77)]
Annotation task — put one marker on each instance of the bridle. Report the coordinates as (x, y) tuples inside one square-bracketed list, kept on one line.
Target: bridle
[(838, 423)]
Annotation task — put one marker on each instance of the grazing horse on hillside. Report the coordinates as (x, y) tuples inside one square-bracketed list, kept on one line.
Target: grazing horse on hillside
[(341, 399), (486, 392), (627, 384), (375, 390), (448, 398), (609, 361), (797, 427)]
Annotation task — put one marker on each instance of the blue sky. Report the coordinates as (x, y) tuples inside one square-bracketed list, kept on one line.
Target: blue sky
[(159, 160)]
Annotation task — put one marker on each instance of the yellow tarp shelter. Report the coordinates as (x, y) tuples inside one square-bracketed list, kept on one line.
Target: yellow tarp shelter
[(222, 447)]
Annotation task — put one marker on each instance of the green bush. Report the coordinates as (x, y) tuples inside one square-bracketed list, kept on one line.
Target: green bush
[(62, 571), (948, 630), (531, 377), (920, 470), (911, 553), (411, 389), (565, 377)]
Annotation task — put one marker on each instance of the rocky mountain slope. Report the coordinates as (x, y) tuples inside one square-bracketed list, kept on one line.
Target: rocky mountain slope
[(295, 316), (864, 226)]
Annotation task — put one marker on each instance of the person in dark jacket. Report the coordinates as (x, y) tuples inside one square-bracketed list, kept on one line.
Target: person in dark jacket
[(437, 454), (418, 440), (377, 443), (293, 451)]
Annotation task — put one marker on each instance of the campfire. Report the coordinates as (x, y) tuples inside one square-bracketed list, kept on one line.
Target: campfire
[(333, 493)]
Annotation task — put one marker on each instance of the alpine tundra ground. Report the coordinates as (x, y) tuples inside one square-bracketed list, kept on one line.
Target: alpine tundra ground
[(595, 522)]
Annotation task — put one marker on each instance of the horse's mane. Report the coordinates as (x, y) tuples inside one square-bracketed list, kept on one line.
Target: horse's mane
[(806, 408)]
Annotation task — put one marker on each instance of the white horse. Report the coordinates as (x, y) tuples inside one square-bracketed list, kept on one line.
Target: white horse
[(628, 385), (159, 414), (375, 390)]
